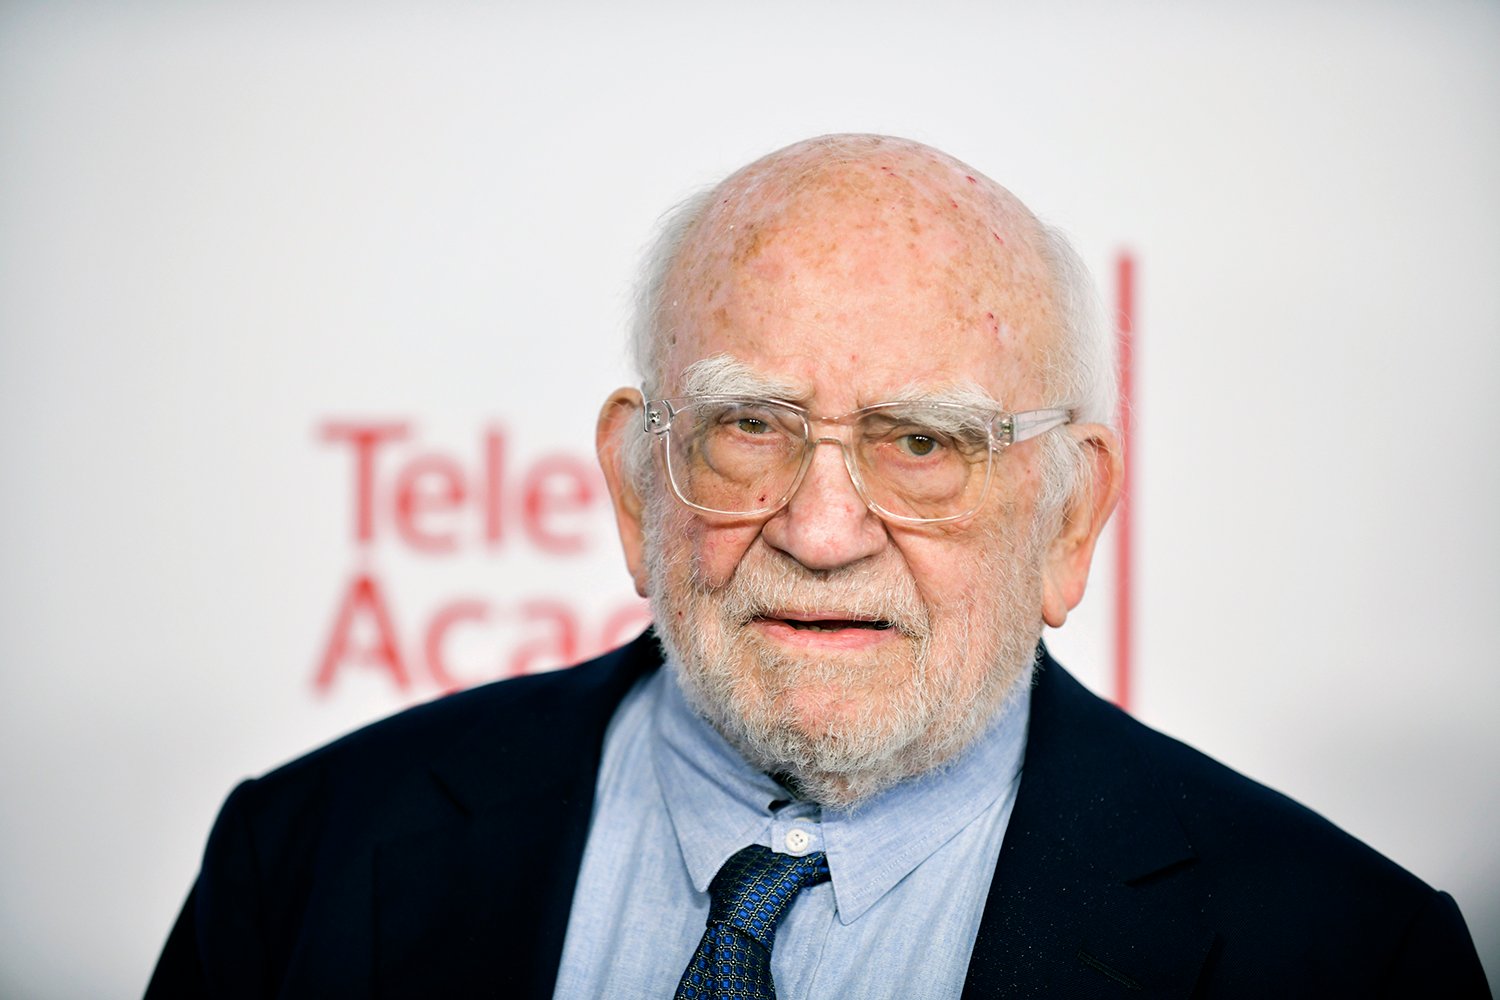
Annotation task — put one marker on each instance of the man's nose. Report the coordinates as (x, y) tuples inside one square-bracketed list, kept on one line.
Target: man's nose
[(826, 524)]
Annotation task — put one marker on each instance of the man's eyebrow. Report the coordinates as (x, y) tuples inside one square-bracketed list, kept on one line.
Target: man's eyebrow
[(964, 393), (722, 375)]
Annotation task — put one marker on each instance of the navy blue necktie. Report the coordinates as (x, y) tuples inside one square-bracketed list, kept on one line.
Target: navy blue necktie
[(748, 897)]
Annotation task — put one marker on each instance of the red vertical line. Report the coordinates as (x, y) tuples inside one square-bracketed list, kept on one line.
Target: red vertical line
[(1124, 517)]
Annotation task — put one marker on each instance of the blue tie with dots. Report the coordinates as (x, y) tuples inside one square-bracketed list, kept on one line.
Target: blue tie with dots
[(748, 897)]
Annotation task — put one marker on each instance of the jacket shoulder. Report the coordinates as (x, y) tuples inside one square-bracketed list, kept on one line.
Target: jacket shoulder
[(500, 730), (1257, 831), (1287, 898), (534, 701), (290, 876)]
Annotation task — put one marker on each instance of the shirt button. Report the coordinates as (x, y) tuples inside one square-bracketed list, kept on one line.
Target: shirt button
[(797, 841)]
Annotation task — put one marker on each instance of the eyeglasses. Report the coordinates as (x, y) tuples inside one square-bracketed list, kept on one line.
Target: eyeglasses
[(914, 462)]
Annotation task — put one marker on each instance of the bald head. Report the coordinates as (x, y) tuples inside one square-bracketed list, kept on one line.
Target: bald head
[(840, 230), (865, 188)]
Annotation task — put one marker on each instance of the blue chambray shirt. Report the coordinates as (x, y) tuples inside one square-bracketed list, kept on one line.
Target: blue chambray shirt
[(910, 868)]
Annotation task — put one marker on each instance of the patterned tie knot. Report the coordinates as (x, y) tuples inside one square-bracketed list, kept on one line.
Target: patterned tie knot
[(755, 887), (747, 898)]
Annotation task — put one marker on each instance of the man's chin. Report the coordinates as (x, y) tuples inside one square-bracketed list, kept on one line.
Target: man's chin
[(837, 747), (819, 713), (817, 767)]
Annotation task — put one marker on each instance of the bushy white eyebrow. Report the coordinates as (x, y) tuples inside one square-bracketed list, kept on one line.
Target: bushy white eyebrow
[(964, 393), (722, 375), (961, 421)]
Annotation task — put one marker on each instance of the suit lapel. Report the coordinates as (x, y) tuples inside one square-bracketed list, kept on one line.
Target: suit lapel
[(477, 904), (1093, 892)]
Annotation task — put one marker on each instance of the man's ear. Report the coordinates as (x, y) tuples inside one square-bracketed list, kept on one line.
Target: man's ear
[(1100, 475), (620, 418)]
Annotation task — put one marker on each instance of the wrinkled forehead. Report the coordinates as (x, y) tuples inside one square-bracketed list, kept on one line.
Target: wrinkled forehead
[(877, 234)]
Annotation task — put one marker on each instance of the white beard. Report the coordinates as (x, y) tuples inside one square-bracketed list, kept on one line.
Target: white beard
[(915, 702)]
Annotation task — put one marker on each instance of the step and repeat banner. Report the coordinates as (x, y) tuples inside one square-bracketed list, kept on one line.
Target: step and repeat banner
[(307, 310)]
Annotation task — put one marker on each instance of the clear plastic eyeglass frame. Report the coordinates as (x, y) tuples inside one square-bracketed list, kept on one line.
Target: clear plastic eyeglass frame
[(1003, 428)]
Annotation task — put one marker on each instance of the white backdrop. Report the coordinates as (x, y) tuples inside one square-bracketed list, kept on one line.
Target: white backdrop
[(233, 235)]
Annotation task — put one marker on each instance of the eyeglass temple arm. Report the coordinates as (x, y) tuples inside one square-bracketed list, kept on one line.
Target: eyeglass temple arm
[(1017, 427)]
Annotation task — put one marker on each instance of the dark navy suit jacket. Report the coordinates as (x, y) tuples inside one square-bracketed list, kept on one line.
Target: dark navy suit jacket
[(434, 855)]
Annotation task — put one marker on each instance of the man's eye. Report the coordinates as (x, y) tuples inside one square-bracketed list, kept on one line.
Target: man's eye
[(752, 425), (917, 445)]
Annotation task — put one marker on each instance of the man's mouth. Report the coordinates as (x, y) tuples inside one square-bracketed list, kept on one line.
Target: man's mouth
[(824, 631), (831, 624), (825, 624)]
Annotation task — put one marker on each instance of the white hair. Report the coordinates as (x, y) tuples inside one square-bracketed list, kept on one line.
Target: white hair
[(649, 317), (1080, 370)]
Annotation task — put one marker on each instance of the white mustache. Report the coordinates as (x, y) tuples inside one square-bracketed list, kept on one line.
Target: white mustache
[(769, 587)]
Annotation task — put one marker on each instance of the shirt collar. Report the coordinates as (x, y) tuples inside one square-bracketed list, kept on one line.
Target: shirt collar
[(718, 803)]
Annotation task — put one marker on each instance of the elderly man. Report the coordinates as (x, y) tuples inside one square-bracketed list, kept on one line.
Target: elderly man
[(870, 459)]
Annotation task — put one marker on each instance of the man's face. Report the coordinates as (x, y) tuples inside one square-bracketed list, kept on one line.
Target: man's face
[(849, 298)]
